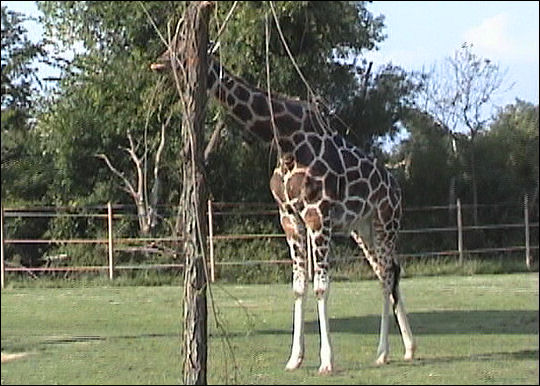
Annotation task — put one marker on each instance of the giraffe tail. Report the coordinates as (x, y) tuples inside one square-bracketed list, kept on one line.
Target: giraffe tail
[(395, 292)]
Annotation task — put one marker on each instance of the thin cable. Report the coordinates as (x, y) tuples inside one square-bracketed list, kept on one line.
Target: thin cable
[(222, 28), (310, 90), (314, 99), (271, 108), (153, 23)]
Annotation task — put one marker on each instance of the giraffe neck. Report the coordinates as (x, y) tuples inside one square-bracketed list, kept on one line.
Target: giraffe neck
[(250, 106)]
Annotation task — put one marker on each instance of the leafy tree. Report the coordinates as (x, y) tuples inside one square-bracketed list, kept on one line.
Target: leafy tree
[(24, 175), (327, 40), (427, 149), (109, 103), (512, 145), (18, 68), (323, 38), (119, 41)]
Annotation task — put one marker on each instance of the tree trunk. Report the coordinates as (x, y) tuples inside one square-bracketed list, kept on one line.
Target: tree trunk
[(194, 195)]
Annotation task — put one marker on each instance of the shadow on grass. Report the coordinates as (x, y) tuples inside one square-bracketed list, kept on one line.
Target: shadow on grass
[(487, 357), (512, 355), (438, 322)]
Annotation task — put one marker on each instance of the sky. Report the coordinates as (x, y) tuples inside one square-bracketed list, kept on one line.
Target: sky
[(424, 33), (421, 34)]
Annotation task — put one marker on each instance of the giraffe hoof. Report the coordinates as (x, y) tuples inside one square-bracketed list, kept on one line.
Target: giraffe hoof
[(293, 364), (325, 369), (409, 354), (382, 360)]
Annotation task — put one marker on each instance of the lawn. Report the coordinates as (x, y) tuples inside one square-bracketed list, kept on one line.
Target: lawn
[(480, 329)]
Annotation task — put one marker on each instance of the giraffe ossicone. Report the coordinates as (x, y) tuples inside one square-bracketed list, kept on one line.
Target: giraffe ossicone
[(321, 184)]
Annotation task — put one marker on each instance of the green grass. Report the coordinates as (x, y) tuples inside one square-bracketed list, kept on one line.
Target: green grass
[(342, 270), (480, 329)]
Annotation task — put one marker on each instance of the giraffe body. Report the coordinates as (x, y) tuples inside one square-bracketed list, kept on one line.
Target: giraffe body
[(322, 184)]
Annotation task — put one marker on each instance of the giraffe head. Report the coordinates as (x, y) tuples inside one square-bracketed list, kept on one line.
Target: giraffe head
[(169, 56), (173, 54), (269, 117)]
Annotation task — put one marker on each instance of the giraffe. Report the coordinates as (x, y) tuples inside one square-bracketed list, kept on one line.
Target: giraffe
[(321, 184)]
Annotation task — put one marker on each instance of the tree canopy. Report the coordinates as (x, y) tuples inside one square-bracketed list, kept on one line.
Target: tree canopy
[(108, 104)]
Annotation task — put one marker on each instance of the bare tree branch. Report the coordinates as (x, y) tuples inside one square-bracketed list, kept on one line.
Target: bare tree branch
[(457, 98), (161, 145), (214, 140), (138, 165), (128, 186)]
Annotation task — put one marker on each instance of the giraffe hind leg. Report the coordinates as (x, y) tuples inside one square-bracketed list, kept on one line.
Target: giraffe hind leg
[(320, 243), (403, 322), (388, 271)]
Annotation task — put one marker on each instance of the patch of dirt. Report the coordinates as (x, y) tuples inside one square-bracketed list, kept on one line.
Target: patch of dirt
[(14, 356)]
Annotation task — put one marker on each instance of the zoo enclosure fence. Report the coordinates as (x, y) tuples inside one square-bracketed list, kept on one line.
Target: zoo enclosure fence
[(215, 209)]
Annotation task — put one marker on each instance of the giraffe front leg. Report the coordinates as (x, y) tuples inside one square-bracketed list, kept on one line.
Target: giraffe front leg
[(296, 239), (321, 288), (299, 287)]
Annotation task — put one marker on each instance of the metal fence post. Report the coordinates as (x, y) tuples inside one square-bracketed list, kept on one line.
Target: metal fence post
[(2, 243), (460, 231), (527, 234), (110, 239), (211, 242)]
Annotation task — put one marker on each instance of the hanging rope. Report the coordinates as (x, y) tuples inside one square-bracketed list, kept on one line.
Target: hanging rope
[(216, 44), (314, 99), (269, 95)]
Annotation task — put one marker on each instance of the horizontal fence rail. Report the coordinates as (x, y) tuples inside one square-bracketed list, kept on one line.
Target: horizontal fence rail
[(222, 209)]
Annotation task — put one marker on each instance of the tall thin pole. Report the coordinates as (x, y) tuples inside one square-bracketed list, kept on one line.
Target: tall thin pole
[(460, 231), (527, 234), (110, 240), (2, 244), (211, 241)]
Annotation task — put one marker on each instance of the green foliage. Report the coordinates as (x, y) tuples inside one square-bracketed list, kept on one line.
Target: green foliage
[(94, 117), (107, 28), (327, 40), (240, 171), (510, 150), (506, 159), (18, 69), (24, 172), (429, 148), (107, 91)]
